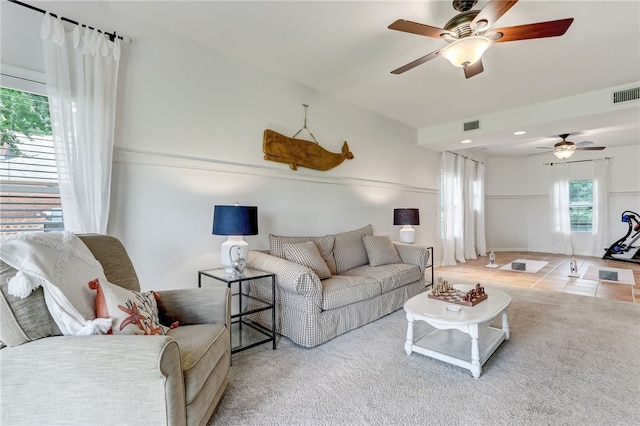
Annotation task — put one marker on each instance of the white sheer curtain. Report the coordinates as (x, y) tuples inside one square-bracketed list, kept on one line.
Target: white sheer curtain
[(462, 209), (469, 235), (450, 203), (560, 219), (481, 243), (82, 74), (600, 206)]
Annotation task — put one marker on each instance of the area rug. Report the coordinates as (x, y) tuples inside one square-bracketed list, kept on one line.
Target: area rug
[(625, 276), (571, 360), (531, 266)]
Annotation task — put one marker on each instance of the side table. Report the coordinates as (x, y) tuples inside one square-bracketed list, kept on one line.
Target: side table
[(246, 334), (430, 265)]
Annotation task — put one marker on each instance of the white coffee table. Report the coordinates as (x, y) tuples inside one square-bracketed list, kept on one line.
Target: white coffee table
[(463, 338)]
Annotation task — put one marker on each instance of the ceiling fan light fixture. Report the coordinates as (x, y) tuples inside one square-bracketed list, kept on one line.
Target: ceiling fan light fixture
[(466, 51), (563, 154)]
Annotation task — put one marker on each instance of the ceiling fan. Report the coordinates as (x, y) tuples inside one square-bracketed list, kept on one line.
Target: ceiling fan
[(469, 34), (565, 149)]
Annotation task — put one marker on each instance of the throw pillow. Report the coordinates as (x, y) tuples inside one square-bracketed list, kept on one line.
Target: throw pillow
[(349, 250), (62, 264), (23, 320), (132, 312), (380, 250), (307, 254), (325, 247)]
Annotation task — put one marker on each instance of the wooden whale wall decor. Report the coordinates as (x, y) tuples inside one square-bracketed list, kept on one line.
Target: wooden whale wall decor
[(300, 153)]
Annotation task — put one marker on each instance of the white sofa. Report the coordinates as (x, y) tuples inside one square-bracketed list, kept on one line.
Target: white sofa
[(368, 277)]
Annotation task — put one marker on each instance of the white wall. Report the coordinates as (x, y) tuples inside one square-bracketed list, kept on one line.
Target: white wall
[(517, 198), (189, 135)]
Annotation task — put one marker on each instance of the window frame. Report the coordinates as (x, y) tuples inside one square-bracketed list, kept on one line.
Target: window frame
[(18, 79), (580, 205)]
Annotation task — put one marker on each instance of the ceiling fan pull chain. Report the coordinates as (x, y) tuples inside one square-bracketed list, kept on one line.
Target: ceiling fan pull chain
[(305, 125)]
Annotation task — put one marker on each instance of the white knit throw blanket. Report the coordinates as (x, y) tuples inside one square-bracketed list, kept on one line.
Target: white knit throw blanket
[(63, 266)]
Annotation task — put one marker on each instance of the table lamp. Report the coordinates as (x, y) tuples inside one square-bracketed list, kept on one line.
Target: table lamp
[(234, 221), (406, 217)]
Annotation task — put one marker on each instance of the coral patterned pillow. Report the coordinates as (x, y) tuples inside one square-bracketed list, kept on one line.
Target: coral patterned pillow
[(133, 312)]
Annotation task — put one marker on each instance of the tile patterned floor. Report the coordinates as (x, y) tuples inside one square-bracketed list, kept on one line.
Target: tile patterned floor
[(551, 277)]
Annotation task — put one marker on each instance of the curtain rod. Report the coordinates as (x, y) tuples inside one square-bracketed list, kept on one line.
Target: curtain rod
[(475, 161), (112, 36), (576, 161)]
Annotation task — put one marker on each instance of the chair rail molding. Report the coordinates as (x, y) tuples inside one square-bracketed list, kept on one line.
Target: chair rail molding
[(161, 159)]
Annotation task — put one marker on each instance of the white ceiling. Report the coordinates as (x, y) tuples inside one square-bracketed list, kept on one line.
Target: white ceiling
[(344, 48)]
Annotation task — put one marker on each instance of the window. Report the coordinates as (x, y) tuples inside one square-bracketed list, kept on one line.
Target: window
[(581, 205), (29, 195)]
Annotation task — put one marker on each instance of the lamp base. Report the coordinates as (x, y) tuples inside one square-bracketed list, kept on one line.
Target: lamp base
[(229, 252), (407, 234)]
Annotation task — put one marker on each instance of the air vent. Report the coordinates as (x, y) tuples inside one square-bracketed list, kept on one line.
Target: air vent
[(471, 125), (626, 95)]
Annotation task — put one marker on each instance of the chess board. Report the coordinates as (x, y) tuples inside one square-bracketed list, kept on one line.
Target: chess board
[(457, 297)]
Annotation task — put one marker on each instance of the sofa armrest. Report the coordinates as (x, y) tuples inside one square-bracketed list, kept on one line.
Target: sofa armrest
[(210, 305), (290, 276), (80, 379), (414, 255)]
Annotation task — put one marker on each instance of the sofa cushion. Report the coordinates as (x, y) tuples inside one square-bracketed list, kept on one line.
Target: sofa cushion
[(342, 290), (388, 276), (380, 250), (307, 254), (114, 259), (201, 347), (325, 247), (349, 250), (23, 320)]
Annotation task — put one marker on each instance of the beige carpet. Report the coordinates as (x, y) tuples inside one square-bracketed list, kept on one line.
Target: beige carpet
[(531, 266), (625, 276), (571, 360)]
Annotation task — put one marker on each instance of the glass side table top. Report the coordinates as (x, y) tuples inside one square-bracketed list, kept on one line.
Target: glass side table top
[(230, 277)]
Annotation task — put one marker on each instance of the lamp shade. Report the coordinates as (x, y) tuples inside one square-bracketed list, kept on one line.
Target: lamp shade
[(563, 154), (406, 216), (235, 220), (466, 51)]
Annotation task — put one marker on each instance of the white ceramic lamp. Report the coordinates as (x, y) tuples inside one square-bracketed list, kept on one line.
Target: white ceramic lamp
[(407, 218), (234, 221)]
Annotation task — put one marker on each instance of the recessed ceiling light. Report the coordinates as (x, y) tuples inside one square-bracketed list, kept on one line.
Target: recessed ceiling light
[(519, 132), (466, 141)]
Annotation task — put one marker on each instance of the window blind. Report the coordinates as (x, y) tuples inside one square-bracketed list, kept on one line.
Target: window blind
[(29, 195)]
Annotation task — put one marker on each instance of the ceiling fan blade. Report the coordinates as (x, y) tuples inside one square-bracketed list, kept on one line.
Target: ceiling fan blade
[(491, 13), (473, 69), (530, 31), (591, 148), (417, 62), (417, 28)]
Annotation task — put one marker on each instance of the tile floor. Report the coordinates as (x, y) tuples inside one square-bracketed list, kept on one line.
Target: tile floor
[(552, 277)]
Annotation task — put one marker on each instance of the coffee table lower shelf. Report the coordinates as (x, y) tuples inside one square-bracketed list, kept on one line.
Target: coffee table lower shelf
[(454, 346)]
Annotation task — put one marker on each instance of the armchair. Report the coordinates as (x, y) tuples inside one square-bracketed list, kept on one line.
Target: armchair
[(176, 379)]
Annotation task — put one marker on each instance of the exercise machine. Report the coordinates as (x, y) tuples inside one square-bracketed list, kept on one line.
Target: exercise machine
[(623, 249)]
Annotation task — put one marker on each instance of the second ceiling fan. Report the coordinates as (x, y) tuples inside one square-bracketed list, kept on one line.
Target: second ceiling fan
[(565, 149), (469, 34)]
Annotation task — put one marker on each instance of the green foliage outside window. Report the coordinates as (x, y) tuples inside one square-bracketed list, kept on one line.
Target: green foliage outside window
[(581, 205), (22, 113)]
